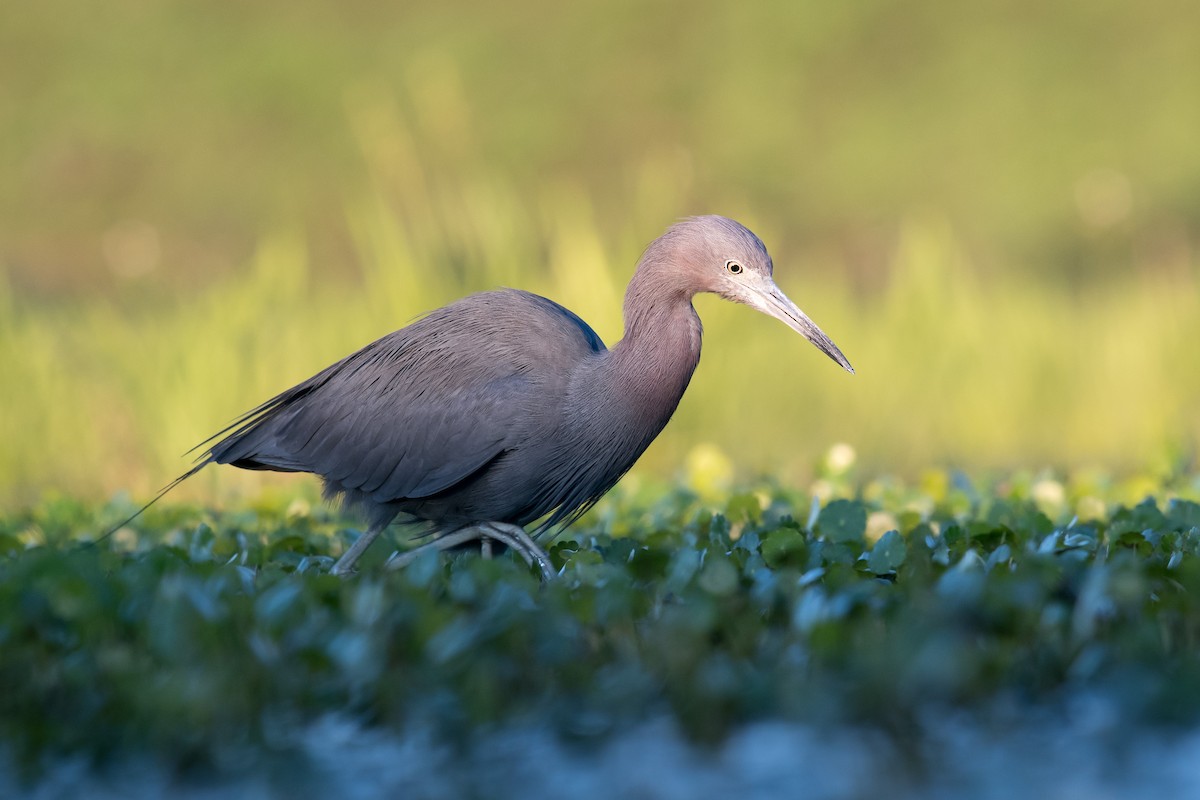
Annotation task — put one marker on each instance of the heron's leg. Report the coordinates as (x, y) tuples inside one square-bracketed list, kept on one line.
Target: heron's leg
[(345, 564), (444, 542)]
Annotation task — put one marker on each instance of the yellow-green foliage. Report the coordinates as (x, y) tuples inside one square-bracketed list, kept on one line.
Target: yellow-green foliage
[(992, 212), (951, 368)]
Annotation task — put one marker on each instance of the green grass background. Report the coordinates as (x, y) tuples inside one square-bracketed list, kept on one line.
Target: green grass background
[(992, 208)]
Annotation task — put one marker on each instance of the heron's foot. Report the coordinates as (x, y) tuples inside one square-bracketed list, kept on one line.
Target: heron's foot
[(485, 533), (515, 537)]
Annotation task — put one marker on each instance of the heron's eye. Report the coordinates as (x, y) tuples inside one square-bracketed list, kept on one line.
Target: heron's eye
[(734, 267)]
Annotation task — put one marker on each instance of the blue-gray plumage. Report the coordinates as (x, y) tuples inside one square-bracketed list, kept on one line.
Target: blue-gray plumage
[(504, 408)]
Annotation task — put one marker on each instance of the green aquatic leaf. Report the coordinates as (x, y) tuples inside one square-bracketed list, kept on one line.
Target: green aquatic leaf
[(843, 521), (784, 547), (683, 567), (1144, 516), (888, 553), (1183, 514), (718, 576), (175, 647)]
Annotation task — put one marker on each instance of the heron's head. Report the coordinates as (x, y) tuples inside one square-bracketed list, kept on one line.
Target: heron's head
[(715, 254)]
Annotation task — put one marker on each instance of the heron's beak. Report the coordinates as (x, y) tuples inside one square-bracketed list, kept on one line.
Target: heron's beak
[(770, 300)]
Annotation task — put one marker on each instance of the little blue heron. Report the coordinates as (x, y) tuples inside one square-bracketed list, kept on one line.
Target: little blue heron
[(504, 408)]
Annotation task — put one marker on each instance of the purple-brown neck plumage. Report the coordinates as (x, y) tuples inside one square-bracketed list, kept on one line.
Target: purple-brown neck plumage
[(661, 347)]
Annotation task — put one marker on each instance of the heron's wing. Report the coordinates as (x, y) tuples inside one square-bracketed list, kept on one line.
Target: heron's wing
[(421, 409), (391, 421)]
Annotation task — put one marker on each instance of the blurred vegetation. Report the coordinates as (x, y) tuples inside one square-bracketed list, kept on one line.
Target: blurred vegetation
[(217, 642), (993, 208)]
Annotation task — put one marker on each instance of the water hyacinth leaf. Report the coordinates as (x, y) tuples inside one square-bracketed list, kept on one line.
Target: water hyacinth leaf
[(814, 511), (422, 571), (366, 603), (763, 588), (585, 558), (964, 582), (619, 551), (201, 543), (812, 576), (953, 536), (1183, 514), (1134, 541), (246, 576), (813, 607), (1001, 555), (684, 566), (784, 547), (719, 528), (352, 651), (1169, 541), (284, 544), (749, 541), (150, 651), (986, 534), (1079, 538), (843, 521), (835, 553), (464, 588), (275, 603), (747, 562), (718, 576), (1144, 516), (888, 553), (649, 563), (452, 641)]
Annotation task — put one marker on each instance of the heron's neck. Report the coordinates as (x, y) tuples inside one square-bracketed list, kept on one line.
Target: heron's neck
[(661, 346)]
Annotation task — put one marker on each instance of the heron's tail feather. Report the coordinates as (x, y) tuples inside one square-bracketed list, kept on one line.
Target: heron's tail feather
[(155, 499)]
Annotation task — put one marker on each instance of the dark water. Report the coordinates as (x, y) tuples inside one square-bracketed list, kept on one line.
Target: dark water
[(1086, 756)]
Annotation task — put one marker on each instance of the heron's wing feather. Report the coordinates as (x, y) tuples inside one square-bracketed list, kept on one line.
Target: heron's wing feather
[(423, 408), (365, 424)]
